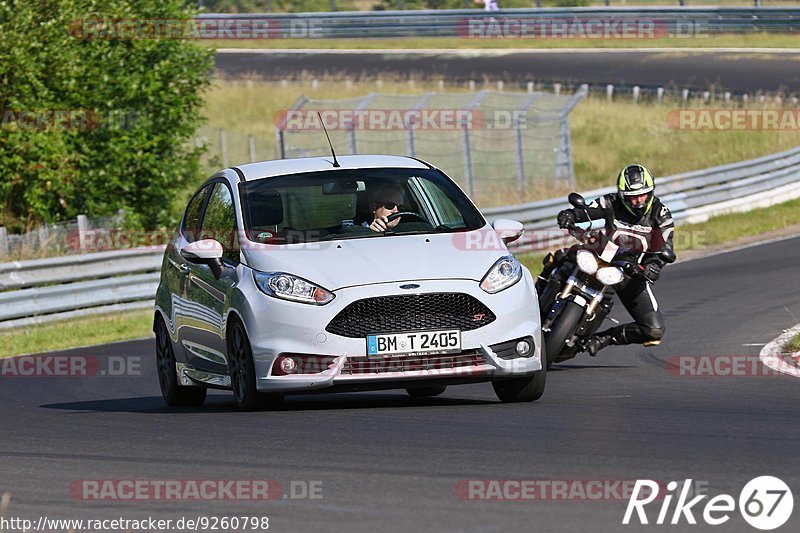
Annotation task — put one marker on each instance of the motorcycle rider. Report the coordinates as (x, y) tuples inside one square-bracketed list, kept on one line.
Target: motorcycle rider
[(638, 221)]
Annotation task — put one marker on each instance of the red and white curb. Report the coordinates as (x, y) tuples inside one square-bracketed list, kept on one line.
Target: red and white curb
[(773, 356)]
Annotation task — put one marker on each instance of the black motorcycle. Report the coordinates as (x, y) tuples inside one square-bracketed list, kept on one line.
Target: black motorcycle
[(575, 299)]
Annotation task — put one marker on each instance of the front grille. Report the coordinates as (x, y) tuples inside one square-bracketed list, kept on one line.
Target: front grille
[(385, 365), (413, 312)]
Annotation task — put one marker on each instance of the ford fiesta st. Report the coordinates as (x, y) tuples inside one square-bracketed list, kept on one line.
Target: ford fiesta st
[(366, 273)]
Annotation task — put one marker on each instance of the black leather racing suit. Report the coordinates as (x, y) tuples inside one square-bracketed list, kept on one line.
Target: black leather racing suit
[(651, 232)]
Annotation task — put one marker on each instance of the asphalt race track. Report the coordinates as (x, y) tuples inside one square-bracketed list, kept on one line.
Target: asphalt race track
[(738, 72), (388, 462)]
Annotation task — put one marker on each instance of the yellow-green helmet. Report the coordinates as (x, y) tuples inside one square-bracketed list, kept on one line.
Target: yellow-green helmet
[(635, 180)]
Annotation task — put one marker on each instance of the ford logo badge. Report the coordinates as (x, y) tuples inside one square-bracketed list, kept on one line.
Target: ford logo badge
[(410, 286)]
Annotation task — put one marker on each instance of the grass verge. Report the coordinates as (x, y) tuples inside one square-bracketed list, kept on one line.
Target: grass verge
[(793, 345), (605, 135), (77, 332), (754, 40)]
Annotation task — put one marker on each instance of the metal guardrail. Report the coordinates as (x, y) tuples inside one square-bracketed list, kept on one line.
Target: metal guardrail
[(672, 21), (50, 289)]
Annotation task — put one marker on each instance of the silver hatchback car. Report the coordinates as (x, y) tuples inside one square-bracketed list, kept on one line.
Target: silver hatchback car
[(366, 273)]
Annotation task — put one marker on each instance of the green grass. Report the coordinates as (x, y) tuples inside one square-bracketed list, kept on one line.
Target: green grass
[(727, 228), (605, 135), (755, 40), (793, 345), (77, 332)]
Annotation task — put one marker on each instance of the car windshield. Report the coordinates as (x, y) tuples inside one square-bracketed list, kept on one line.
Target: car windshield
[(341, 204)]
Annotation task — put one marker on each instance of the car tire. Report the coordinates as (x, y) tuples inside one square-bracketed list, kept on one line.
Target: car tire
[(426, 392), (564, 327), (174, 393), (243, 373), (527, 389)]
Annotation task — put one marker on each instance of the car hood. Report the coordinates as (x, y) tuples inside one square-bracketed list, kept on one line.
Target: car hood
[(382, 259)]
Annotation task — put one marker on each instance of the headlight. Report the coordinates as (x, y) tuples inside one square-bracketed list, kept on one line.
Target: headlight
[(587, 262), (289, 287), (610, 275), (503, 274)]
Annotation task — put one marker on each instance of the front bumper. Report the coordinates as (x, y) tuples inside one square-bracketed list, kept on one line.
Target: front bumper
[(279, 327), (489, 366)]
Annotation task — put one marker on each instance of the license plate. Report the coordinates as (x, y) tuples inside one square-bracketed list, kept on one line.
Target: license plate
[(418, 342)]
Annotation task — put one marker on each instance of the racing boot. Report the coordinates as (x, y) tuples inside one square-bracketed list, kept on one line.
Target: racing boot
[(595, 343)]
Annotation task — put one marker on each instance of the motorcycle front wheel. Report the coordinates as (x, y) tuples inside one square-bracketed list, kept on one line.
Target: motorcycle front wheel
[(562, 329)]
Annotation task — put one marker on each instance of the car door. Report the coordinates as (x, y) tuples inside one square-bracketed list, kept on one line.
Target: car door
[(204, 342), (177, 274)]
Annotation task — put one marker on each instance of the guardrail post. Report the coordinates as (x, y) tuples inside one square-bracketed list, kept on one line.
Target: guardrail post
[(706, 97), (636, 91), (727, 97), (83, 227), (3, 242), (530, 86), (609, 91), (252, 142), (660, 93), (685, 95)]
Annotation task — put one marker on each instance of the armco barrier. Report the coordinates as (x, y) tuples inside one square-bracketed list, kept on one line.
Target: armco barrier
[(668, 21), (49, 289)]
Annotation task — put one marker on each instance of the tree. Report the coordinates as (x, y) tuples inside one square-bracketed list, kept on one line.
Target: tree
[(95, 118)]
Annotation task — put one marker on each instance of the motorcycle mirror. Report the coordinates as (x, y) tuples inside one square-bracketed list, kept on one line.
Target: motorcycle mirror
[(576, 200)]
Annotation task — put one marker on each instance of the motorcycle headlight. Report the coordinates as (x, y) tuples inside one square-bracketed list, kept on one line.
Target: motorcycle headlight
[(587, 262), (610, 275), (503, 274), (288, 287)]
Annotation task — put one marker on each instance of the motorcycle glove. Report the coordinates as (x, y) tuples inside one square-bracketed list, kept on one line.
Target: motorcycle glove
[(651, 272), (565, 219)]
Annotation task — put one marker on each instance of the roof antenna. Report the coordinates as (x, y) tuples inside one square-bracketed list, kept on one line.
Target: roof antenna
[(335, 162)]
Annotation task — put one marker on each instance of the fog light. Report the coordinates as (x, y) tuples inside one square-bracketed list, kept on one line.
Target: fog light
[(288, 365), (523, 348)]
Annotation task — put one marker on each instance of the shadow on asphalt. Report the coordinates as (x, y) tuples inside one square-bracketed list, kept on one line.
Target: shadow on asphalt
[(222, 403), (560, 367)]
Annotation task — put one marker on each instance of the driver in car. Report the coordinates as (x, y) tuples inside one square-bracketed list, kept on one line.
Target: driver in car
[(384, 201), (636, 215)]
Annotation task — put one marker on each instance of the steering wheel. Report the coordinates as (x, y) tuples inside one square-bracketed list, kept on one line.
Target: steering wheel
[(395, 216)]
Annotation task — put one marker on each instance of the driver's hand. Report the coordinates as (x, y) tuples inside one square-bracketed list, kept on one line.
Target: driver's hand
[(379, 224), (566, 219)]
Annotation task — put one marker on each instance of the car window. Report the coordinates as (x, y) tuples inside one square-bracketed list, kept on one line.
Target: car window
[(219, 221), (337, 204), (191, 220)]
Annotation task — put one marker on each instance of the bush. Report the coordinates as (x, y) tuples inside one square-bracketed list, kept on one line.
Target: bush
[(126, 111)]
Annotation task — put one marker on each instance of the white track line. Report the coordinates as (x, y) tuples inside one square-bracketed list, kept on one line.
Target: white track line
[(772, 354)]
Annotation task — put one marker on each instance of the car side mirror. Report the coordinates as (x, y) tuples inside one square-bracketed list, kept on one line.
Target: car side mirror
[(576, 200), (508, 230), (205, 252)]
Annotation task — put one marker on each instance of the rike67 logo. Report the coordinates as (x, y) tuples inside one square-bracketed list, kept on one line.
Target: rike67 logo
[(765, 503)]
